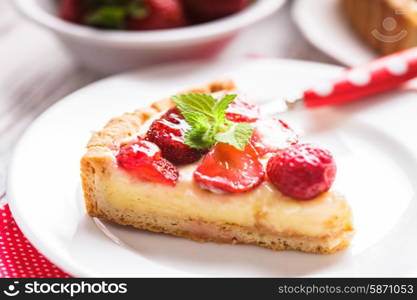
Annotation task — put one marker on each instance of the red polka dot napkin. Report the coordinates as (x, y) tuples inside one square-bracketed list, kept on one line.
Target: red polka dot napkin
[(18, 258)]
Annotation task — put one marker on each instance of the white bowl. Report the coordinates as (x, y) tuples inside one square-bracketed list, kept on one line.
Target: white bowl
[(114, 51)]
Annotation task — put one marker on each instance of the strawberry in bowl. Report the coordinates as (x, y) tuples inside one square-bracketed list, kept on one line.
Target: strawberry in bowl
[(146, 14), (111, 36), (186, 167), (124, 14), (204, 11)]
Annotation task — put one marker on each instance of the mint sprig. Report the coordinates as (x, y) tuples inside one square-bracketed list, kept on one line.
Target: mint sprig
[(206, 116)]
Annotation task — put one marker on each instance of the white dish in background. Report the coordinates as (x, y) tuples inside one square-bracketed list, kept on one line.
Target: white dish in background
[(324, 25), (113, 51), (377, 171)]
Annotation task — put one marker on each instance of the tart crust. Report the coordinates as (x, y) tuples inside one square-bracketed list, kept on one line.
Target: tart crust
[(367, 19), (98, 162)]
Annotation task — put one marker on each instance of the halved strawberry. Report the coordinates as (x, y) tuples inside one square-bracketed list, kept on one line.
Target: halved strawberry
[(241, 111), (271, 135), (71, 10), (144, 161), (227, 169), (158, 14), (168, 133)]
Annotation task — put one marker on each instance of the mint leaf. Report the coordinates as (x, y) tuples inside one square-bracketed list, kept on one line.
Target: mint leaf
[(201, 103), (196, 138), (237, 135), (196, 119), (221, 106), (207, 118)]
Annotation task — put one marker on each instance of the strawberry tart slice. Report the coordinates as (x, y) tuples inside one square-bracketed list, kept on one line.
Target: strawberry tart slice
[(206, 165)]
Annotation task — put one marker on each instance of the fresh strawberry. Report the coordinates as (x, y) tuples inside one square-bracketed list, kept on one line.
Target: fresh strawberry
[(227, 169), (71, 10), (168, 133), (204, 10), (241, 111), (303, 171), (144, 160), (159, 14), (271, 135)]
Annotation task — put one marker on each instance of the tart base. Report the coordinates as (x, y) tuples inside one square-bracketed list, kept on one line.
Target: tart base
[(221, 233)]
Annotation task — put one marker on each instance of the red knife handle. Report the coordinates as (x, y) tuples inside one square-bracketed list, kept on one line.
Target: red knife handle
[(375, 77)]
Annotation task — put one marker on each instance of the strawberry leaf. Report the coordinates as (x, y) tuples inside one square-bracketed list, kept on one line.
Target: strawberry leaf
[(109, 17)]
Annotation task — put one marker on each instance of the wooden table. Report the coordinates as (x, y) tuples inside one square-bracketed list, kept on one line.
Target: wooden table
[(36, 71)]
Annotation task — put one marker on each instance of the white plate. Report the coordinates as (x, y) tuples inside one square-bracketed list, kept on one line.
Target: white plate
[(324, 25), (373, 141)]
